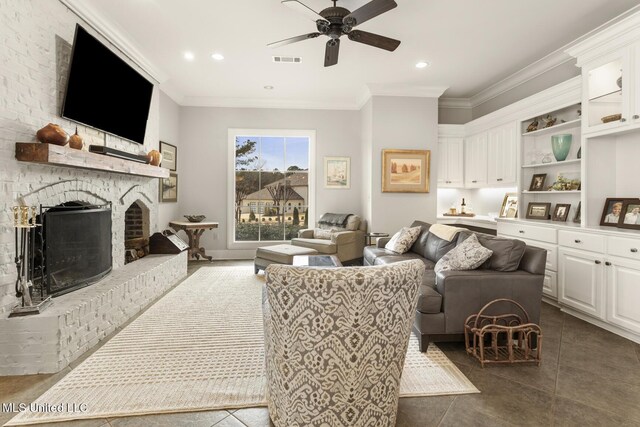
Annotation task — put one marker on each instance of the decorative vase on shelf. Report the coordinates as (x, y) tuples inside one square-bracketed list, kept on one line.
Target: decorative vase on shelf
[(547, 158), (52, 134), (560, 144), (75, 141)]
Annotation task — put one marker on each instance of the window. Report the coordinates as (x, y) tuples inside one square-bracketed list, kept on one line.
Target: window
[(271, 174)]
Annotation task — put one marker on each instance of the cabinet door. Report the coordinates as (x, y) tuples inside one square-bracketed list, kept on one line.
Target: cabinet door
[(550, 284), (623, 293), (501, 155), (455, 162), (442, 162), (581, 281), (475, 161)]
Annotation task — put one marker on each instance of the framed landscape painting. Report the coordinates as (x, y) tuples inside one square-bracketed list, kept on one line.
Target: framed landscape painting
[(169, 188), (405, 171), (337, 172), (169, 156)]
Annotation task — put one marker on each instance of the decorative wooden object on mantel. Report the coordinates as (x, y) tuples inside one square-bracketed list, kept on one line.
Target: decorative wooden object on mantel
[(194, 230), (56, 155)]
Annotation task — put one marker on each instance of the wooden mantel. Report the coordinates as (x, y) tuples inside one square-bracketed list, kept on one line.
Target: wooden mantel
[(56, 155)]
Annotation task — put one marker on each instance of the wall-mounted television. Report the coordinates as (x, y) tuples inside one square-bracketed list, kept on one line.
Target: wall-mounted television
[(104, 92)]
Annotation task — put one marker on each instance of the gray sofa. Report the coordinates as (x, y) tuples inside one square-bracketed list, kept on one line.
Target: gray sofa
[(514, 271)]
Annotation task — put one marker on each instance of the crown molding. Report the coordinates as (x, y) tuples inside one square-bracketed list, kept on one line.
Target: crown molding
[(115, 36), (377, 89), (214, 101), (455, 103)]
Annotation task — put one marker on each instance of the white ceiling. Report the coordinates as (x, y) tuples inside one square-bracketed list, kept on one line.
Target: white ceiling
[(472, 44)]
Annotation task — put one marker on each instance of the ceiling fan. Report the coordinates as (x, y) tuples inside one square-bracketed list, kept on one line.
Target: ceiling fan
[(337, 21)]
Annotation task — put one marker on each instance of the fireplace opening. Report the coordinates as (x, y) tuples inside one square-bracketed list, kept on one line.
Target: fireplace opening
[(136, 232), (72, 247)]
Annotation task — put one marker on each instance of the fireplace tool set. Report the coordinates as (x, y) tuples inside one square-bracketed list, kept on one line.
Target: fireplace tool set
[(24, 222)]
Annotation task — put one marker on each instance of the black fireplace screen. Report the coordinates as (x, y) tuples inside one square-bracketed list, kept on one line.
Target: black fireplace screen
[(77, 248)]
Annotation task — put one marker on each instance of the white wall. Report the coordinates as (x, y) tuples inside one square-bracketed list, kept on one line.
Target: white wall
[(205, 152), (170, 132), (366, 122), (402, 123)]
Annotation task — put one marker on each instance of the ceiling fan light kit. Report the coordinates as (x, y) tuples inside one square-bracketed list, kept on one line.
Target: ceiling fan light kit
[(337, 21)]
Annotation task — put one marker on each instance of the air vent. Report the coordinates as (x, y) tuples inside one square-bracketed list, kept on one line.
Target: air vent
[(287, 59)]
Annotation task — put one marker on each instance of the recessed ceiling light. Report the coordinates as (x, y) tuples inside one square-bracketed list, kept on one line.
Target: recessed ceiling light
[(189, 56), (217, 56), (268, 87), (422, 64)]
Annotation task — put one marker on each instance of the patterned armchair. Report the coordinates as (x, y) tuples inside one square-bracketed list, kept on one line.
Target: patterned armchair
[(336, 340)]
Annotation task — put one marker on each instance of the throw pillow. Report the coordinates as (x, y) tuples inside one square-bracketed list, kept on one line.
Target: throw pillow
[(468, 255), (401, 241), (324, 233)]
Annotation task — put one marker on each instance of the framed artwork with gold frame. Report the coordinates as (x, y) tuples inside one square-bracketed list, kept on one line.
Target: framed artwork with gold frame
[(405, 171)]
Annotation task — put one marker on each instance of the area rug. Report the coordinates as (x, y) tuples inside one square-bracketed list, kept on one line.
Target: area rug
[(201, 347)]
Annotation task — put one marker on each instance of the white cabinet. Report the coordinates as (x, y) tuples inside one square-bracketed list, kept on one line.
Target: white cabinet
[(502, 155), (550, 284), (581, 279), (450, 162), (475, 161), (623, 293)]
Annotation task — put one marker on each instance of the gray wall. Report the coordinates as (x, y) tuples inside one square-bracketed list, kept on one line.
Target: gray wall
[(402, 123), (366, 121), (454, 116), (170, 132), (204, 158)]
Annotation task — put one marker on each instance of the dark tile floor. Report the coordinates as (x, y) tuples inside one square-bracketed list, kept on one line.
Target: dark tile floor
[(588, 377)]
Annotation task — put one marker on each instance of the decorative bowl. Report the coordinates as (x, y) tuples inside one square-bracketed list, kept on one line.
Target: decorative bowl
[(195, 218)]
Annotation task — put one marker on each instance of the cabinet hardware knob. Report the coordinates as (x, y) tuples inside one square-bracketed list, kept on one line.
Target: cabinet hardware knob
[(598, 262), (607, 263), (499, 179), (634, 250), (622, 120), (635, 116), (474, 181), (521, 231), (578, 241)]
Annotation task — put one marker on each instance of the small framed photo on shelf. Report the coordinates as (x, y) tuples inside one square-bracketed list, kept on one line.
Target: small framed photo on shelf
[(169, 156), (577, 216), (537, 210), (509, 206), (630, 215), (537, 182), (611, 213), (561, 212)]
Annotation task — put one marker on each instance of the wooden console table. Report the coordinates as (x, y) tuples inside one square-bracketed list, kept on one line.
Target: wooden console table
[(194, 230)]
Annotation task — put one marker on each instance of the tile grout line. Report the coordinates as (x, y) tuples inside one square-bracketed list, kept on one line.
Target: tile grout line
[(447, 411)]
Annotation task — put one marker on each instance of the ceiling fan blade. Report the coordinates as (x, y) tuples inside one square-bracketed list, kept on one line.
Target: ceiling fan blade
[(369, 11), (298, 6), (294, 40), (374, 40), (331, 52)]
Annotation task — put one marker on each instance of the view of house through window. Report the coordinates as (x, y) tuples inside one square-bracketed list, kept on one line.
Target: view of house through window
[(271, 187)]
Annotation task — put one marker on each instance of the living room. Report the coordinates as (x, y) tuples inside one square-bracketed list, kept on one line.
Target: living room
[(214, 88)]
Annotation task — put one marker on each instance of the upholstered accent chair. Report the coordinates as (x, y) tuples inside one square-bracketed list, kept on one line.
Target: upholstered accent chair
[(346, 241), (336, 340)]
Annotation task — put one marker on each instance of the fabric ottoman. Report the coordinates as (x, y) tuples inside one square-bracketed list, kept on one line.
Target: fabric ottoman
[(279, 254)]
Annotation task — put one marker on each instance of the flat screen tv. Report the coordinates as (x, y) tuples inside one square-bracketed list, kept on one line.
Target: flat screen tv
[(104, 92)]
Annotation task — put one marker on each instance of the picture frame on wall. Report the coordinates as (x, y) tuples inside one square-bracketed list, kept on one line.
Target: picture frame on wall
[(537, 182), (337, 173), (509, 207), (630, 214), (169, 156), (561, 212), (405, 171), (537, 210), (612, 210), (169, 189)]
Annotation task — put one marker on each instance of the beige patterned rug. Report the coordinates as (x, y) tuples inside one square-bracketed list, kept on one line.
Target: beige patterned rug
[(201, 348)]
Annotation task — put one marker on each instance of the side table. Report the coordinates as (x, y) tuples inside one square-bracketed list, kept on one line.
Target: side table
[(370, 236), (194, 230)]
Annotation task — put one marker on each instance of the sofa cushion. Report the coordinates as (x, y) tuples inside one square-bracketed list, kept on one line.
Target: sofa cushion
[(420, 244), (320, 245), (353, 223), (402, 241), (507, 253), (370, 253), (429, 300), (436, 248), (324, 233), (468, 255), (390, 258)]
